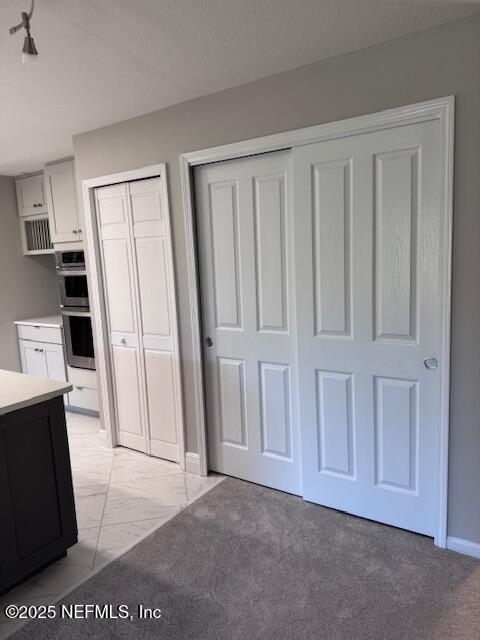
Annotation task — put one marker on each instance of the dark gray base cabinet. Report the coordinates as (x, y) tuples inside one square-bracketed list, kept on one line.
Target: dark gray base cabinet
[(37, 509)]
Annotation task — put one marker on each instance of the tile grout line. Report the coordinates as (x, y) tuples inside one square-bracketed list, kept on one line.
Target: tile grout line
[(103, 511)]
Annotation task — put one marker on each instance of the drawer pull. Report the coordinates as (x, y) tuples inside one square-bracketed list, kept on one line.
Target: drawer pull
[(79, 388)]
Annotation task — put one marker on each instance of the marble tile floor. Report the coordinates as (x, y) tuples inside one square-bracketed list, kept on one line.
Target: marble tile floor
[(120, 496)]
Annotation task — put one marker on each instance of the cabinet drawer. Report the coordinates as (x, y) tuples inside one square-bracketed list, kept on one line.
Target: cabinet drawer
[(40, 334), (83, 398), (82, 377)]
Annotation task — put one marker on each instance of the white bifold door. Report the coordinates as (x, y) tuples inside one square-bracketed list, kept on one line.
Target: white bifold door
[(321, 294), (136, 251)]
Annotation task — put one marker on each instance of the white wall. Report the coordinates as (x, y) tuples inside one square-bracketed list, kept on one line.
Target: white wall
[(28, 286)]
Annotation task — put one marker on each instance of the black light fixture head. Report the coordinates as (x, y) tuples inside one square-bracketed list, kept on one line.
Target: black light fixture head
[(29, 51), (29, 47)]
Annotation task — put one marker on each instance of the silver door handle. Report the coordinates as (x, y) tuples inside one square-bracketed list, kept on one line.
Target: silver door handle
[(430, 363), (209, 341)]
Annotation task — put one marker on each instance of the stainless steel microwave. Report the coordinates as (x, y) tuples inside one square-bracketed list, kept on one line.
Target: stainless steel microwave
[(70, 259)]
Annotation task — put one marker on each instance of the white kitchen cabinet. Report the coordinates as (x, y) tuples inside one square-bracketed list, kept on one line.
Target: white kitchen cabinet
[(61, 192), (32, 211), (31, 195), (40, 343), (43, 359)]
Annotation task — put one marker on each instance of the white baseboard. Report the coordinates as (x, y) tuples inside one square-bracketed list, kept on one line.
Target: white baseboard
[(463, 546), (192, 463)]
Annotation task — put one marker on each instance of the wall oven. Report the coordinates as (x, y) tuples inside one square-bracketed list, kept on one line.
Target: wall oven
[(77, 321), (73, 288), (72, 278), (77, 326)]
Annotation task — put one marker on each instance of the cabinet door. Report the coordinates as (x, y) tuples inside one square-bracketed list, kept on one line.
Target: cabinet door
[(31, 195), (55, 362), (34, 361), (62, 202)]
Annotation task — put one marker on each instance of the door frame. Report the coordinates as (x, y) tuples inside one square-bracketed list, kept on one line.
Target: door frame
[(442, 109), (99, 310)]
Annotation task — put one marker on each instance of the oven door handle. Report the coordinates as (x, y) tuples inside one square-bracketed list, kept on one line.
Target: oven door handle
[(84, 314), (71, 272)]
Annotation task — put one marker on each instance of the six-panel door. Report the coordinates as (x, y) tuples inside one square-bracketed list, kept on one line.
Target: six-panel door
[(244, 219), (368, 247)]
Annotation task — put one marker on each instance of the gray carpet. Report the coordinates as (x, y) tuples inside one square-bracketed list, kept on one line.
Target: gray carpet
[(246, 562)]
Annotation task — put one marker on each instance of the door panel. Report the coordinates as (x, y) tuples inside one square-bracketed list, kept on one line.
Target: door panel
[(332, 222), (335, 430), (231, 389), (244, 218), (161, 385), (117, 266), (367, 217), (270, 253), (275, 394), (127, 385), (224, 232), (152, 276), (157, 315), (397, 196), (119, 291)]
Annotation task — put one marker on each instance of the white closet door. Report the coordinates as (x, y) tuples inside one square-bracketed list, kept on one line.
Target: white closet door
[(244, 219), (134, 229), (118, 273), (368, 248), (154, 266)]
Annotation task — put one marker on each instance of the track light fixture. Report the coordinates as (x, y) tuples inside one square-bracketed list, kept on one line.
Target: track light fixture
[(29, 51)]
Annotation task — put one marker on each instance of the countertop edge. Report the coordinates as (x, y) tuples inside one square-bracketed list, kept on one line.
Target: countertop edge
[(29, 402), (41, 323)]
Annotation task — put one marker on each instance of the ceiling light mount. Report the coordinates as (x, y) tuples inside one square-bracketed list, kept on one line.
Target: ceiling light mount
[(29, 51)]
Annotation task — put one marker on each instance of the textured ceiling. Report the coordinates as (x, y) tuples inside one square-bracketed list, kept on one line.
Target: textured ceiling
[(102, 61)]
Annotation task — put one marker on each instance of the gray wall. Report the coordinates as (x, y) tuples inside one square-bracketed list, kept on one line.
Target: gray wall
[(28, 286), (434, 63)]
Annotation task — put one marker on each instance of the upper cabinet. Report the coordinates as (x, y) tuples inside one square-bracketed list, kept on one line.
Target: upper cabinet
[(61, 195), (31, 195)]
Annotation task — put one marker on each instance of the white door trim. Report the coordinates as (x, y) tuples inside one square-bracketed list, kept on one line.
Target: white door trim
[(441, 109), (100, 325)]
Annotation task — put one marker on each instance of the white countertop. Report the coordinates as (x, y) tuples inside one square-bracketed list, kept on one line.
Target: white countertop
[(45, 321), (18, 390)]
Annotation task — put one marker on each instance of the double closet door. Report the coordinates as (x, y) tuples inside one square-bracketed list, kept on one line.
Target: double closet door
[(136, 252), (321, 300)]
